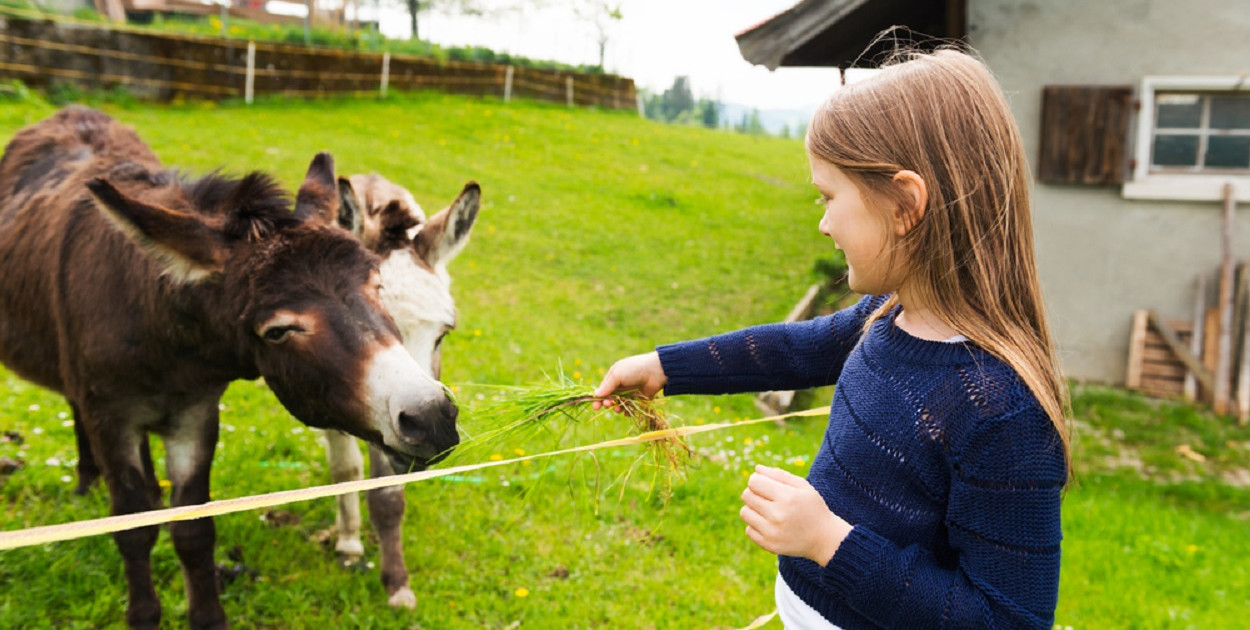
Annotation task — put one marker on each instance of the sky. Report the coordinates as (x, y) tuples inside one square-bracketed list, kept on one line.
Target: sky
[(654, 42)]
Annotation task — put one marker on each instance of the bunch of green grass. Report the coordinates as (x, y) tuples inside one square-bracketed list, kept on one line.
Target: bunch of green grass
[(549, 416)]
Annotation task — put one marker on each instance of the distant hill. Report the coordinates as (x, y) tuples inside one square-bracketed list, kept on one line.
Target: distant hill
[(774, 120)]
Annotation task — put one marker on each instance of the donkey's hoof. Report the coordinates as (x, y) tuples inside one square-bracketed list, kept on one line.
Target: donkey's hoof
[(404, 598), (349, 551), (85, 482)]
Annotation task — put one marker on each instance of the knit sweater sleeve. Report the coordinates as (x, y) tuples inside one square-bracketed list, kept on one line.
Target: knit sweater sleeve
[(786, 356), (1003, 522)]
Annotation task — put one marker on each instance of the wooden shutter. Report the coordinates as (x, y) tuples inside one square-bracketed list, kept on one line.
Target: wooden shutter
[(1085, 131)]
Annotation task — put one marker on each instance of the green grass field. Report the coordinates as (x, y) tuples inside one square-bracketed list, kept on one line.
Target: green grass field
[(601, 235)]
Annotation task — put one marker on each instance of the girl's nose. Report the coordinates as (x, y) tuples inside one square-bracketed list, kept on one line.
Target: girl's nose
[(824, 226)]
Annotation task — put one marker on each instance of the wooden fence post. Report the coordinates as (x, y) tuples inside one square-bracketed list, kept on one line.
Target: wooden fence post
[(507, 84), (386, 71), (250, 81), (1243, 344), (1195, 339), (1223, 363), (568, 88)]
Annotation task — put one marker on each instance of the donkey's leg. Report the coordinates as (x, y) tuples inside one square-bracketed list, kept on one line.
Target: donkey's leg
[(149, 471), (346, 464), (189, 447), (88, 470), (386, 510), (121, 463)]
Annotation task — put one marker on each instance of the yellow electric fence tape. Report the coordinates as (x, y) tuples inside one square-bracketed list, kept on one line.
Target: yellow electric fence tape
[(94, 527)]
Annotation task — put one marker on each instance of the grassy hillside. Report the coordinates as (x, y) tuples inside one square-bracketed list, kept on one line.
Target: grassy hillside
[(601, 235)]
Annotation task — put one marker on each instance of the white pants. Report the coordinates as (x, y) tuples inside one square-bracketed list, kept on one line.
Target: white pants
[(795, 614)]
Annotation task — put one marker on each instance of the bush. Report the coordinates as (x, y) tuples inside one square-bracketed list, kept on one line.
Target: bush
[(14, 90)]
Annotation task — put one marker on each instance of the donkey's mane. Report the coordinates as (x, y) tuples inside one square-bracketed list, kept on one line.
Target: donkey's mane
[(254, 205)]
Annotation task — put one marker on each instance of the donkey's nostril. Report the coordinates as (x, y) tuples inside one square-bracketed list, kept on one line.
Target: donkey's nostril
[(412, 429), (449, 411), (431, 425)]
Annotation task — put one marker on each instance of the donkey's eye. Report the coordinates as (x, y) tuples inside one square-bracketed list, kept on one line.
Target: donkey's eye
[(279, 334)]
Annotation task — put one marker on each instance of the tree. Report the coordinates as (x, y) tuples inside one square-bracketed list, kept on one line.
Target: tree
[(751, 123), (462, 7), (600, 13), (678, 99), (677, 105), (709, 113)]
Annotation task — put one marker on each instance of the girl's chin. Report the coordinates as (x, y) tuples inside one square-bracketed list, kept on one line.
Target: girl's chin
[(857, 285)]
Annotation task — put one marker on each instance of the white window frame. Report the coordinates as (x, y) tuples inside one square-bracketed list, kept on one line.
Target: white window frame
[(1143, 184)]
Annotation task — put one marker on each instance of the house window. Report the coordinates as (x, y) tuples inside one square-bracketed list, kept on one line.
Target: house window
[(1197, 132), (1192, 138)]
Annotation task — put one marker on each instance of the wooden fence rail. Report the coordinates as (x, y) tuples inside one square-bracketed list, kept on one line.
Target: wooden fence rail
[(164, 67)]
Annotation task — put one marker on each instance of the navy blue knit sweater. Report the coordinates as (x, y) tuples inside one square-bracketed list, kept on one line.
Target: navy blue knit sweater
[(938, 455)]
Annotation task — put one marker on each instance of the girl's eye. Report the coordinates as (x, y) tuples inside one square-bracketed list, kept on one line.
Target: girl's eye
[(822, 200)]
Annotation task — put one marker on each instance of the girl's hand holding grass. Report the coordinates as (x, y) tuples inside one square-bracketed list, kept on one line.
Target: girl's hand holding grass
[(787, 516), (642, 374)]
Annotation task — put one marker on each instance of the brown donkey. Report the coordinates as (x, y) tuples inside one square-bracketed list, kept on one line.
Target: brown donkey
[(416, 290), (141, 295)]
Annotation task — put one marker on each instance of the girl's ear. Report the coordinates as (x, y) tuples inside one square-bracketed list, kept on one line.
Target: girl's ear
[(915, 201)]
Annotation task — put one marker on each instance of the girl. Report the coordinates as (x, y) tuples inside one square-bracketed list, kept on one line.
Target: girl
[(933, 501)]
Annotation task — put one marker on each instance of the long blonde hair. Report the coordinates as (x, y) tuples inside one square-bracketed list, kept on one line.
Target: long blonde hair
[(944, 116)]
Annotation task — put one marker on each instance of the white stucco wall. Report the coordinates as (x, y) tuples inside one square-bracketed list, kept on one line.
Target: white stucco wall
[(1101, 256)]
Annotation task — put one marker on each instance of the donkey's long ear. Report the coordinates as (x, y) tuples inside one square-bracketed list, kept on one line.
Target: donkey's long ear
[(188, 248), (447, 232), (349, 207), (318, 196)]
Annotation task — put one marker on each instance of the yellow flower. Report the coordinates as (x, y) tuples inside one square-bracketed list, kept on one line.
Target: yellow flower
[(495, 457), (522, 592), (715, 409), (800, 462), (747, 440), (477, 333), (577, 376), (518, 451)]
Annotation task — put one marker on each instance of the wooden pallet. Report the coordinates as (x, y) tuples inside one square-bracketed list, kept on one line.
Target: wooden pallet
[(1153, 368)]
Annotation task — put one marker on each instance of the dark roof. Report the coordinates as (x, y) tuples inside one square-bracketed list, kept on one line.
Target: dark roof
[(841, 32)]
